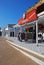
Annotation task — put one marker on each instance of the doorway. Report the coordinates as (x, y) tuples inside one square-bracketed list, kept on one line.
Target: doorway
[(11, 34), (0, 33)]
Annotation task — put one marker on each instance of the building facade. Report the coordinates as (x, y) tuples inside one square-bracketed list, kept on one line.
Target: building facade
[(33, 22), (9, 30)]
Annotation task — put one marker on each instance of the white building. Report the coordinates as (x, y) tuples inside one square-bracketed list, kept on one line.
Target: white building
[(9, 30)]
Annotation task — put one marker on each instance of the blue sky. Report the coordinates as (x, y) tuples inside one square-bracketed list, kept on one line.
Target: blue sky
[(12, 10)]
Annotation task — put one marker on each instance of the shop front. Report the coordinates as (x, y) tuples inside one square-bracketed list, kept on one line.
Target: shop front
[(28, 24), (33, 23), (35, 28)]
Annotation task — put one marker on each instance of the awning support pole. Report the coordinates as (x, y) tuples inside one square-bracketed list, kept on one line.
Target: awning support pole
[(36, 33)]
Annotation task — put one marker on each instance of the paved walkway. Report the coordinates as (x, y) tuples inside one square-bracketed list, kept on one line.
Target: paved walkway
[(31, 46), (11, 56)]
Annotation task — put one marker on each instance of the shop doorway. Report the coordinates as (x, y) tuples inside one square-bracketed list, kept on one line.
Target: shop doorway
[(11, 34), (31, 33)]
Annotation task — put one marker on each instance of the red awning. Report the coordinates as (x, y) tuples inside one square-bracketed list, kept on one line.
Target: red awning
[(29, 17), (20, 21)]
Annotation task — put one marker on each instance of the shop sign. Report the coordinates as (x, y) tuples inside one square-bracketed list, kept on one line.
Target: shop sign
[(31, 16)]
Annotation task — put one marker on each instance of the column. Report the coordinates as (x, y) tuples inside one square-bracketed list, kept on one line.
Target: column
[(37, 33)]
